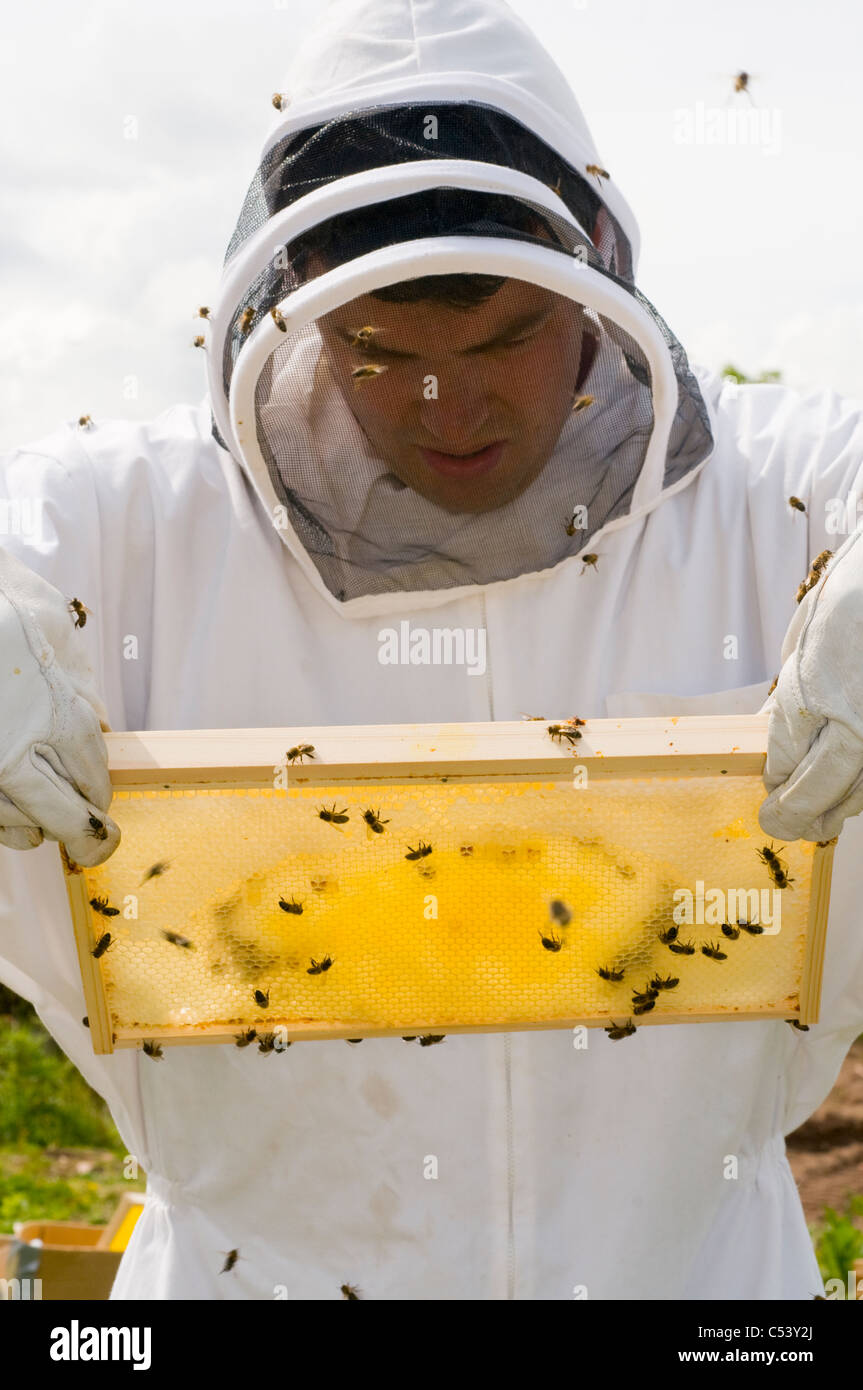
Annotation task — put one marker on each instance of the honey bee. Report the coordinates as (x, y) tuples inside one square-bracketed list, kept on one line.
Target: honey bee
[(200, 341), (293, 906), (363, 336), (177, 940), (645, 1007), (605, 972), (598, 173), (768, 856), (266, 1042), (558, 732), (278, 100), (620, 1030), (410, 1039), (776, 678), (552, 942), (714, 952), (822, 844), (361, 374), (534, 718), (78, 611), (101, 945), (731, 932), (245, 323), (86, 1022), (97, 828), (101, 905), (278, 320), (752, 928), (262, 998), (354, 1041), (319, 967), (203, 312), (821, 560), (350, 1291), (780, 878), (333, 817), (559, 912), (230, 1261), (682, 948), (668, 935), (645, 995), (795, 1023), (796, 504), (570, 529), (374, 822), (243, 1039), (581, 403), (588, 560), (420, 852), (466, 850), (664, 982), (301, 751), (155, 871), (152, 1049), (429, 1039), (85, 422)]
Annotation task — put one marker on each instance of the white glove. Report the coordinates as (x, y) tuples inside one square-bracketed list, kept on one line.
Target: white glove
[(814, 770), (54, 778)]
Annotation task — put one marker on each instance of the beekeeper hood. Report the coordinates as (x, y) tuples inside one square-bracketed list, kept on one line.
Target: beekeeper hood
[(413, 432)]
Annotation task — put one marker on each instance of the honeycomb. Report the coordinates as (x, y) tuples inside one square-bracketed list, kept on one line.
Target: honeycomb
[(528, 890)]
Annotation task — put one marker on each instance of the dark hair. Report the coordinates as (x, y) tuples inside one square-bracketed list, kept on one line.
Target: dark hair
[(435, 212)]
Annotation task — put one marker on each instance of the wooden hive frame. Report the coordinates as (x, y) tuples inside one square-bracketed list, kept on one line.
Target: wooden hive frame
[(382, 755)]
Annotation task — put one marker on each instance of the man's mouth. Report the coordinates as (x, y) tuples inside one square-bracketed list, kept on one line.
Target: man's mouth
[(465, 465)]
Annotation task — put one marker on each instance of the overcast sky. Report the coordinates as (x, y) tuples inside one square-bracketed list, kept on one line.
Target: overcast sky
[(752, 253)]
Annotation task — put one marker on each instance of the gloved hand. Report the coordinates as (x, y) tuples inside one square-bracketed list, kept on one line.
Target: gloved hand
[(54, 779), (814, 770)]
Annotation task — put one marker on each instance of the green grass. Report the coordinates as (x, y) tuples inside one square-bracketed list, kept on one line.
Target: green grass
[(40, 1186), (838, 1240), (44, 1100)]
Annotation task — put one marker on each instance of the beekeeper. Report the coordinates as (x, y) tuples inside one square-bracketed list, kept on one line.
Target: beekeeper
[(434, 391)]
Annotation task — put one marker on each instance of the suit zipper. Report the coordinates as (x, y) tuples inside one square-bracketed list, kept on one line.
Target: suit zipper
[(507, 1049)]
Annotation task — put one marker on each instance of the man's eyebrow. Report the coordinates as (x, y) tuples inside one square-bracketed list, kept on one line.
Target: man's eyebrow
[(518, 325)]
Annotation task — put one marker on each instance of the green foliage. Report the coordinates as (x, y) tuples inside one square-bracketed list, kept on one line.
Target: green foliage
[(43, 1099), (763, 378), (32, 1189), (839, 1240), (16, 1007)]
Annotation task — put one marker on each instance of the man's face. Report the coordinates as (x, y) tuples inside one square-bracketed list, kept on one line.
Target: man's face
[(497, 378)]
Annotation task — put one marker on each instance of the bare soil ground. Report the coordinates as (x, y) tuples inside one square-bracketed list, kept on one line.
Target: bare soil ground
[(826, 1153)]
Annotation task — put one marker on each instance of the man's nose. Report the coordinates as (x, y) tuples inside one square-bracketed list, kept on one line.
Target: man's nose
[(457, 420)]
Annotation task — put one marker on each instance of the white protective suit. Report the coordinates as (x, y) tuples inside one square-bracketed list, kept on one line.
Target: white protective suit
[(558, 1169)]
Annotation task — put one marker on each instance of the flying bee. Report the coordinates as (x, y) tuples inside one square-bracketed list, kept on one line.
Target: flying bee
[(203, 312), (605, 972), (682, 948), (465, 850), (668, 935), (598, 173), (301, 751), (714, 952), (278, 101), (152, 1049), (752, 928), (85, 422), (552, 942), (559, 912), (245, 323), (645, 1007), (243, 1039), (368, 373), (795, 1023), (177, 940), (581, 403), (576, 722), (796, 504), (230, 1260), (262, 998), (741, 82), (155, 871), (319, 967), (350, 1291), (534, 718), (420, 852), (731, 932), (645, 995), (664, 982), (293, 906), (101, 945), (363, 337), (429, 1039), (78, 611), (333, 817), (97, 828), (374, 822), (588, 560), (200, 341), (558, 732), (101, 905), (620, 1030)]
